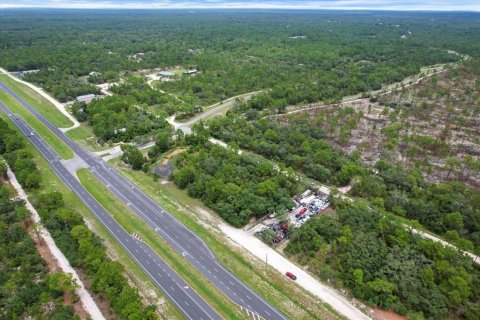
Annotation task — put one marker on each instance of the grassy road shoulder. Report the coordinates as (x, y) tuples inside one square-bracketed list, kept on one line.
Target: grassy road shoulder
[(287, 297), (42, 105), (131, 223), (61, 148), (50, 183)]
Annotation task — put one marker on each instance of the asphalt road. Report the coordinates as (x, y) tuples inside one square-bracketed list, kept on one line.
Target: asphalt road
[(170, 229), (187, 300)]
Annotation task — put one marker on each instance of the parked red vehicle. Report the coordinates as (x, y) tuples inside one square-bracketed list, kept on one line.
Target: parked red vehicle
[(301, 212), (291, 275)]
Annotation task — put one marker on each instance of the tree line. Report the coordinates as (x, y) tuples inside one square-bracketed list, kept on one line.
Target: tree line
[(298, 145), (449, 209), (237, 187), (27, 289), (364, 250), (119, 118), (85, 250), (340, 54), (82, 247)]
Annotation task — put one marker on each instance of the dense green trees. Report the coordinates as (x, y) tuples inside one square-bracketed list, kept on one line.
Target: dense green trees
[(237, 187), (27, 290), (450, 209), (85, 250), (163, 142), (385, 266), (118, 118), (82, 248), (299, 145), (132, 156), (19, 159), (343, 53)]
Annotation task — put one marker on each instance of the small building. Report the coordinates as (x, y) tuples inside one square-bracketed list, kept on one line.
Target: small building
[(191, 71), (137, 57), (194, 51), (166, 74), (21, 74), (298, 37), (88, 97), (117, 131), (94, 74)]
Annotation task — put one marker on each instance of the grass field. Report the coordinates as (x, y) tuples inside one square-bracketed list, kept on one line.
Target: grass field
[(61, 148), (85, 137), (288, 298), (50, 182), (131, 223), (42, 105)]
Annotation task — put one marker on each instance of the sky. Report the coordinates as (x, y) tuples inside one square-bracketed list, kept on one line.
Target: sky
[(408, 5)]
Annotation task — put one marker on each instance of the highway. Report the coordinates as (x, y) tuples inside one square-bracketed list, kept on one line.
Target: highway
[(183, 240), (187, 300)]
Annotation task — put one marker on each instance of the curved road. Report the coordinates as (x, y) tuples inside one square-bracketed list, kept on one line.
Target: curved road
[(170, 229)]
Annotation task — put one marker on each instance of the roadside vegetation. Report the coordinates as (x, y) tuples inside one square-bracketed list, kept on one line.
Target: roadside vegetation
[(238, 187), (59, 209), (132, 224), (118, 118), (27, 288), (43, 106), (406, 153), (61, 148), (270, 284), (380, 262)]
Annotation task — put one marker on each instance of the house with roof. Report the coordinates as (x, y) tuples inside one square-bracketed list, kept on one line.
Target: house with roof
[(166, 74), (190, 71), (87, 98)]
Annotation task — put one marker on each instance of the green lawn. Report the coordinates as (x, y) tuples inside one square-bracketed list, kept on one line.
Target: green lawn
[(47, 109), (131, 223), (50, 182), (85, 137), (61, 148), (287, 297)]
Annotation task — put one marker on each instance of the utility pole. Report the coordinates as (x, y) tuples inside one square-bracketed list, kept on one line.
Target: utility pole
[(266, 260)]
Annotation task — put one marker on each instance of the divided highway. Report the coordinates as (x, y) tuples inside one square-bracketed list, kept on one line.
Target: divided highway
[(166, 279), (183, 240)]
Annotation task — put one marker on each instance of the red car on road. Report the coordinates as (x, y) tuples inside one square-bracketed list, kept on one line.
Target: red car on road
[(291, 275)]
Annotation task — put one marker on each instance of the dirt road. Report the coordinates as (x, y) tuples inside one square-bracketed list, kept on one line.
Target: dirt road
[(88, 303), (60, 106)]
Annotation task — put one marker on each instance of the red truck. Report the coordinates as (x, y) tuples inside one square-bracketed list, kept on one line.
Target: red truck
[(301, 212)]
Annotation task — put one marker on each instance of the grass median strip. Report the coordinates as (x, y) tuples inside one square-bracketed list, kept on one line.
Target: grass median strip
[(131, 223), (45, 107), (61, 148), (285, 296), (49, 183)]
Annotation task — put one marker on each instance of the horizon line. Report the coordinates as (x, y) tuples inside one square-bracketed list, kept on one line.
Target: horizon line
[(8, 6)]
